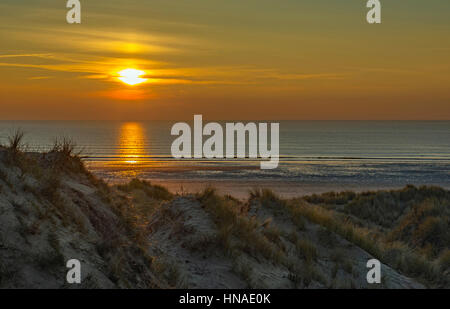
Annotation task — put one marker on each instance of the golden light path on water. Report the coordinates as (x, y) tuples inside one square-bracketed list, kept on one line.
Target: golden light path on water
[(132, 142)]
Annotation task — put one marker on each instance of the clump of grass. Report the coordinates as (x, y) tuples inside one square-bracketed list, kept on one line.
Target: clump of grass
[(254, 243), (14, 147), (426, 227), (224, 211), (65, 146), (123, 244), (225, 241), (303, 275), (153, 191), (327, 218), (408, 262), (50, 191), (245, 271), (169, 272), (271, 200), (419, 267), (306, 249), (273, 234), (246, 234), (15, 141), (65, 156), (228, 214), (331, 198), (388, 208)]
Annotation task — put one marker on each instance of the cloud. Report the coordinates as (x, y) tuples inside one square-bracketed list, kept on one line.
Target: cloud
[(40, 77), (26, 55)]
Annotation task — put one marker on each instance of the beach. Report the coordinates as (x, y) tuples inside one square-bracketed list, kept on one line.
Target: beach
[(315, 156), (141, 235), (241, 189)]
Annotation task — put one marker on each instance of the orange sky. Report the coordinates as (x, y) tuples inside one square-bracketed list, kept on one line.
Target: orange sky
[(230, 60)]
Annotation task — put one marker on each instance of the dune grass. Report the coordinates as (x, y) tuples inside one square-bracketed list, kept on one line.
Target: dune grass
[(406, 229)]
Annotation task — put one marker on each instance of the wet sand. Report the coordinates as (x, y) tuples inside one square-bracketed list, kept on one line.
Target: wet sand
[(178, 180), (240, 189)]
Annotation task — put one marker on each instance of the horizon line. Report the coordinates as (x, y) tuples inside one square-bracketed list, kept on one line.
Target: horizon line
[(221, 120)]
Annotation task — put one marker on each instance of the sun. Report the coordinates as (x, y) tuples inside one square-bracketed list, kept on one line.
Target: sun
[(131, 76)]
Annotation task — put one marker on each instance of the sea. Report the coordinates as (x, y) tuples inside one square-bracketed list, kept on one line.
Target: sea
[(315, 156)]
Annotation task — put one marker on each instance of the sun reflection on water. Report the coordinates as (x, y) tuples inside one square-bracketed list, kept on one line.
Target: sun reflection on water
[(132, 143)]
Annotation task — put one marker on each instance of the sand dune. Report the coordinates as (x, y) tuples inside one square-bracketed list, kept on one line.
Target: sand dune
[(140, 235)]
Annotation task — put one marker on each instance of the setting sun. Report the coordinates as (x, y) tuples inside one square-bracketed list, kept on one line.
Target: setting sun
[(131, 76)]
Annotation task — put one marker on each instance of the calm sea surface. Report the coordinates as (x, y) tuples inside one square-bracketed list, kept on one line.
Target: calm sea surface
[(324, 153)]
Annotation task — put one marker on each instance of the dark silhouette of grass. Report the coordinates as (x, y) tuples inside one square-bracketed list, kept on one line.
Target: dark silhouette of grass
[(65, 146), (15, 141)]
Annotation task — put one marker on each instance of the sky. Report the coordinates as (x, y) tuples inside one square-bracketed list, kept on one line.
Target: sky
[(226, 60)]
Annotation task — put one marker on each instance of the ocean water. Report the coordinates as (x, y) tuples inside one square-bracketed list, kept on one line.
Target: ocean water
[(325, 154)]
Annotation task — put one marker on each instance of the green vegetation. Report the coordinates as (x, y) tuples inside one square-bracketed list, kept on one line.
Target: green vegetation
[(153, 191), (237, 228), (407, 229)]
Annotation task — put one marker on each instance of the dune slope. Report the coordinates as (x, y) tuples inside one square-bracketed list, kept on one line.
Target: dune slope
[(142, 236)]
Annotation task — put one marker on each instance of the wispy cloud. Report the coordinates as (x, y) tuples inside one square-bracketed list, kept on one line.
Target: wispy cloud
[(106, 68), (40, 77), (25, 55)]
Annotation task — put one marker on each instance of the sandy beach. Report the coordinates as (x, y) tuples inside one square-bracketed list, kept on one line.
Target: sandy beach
[(241, 189), (141, 235)]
